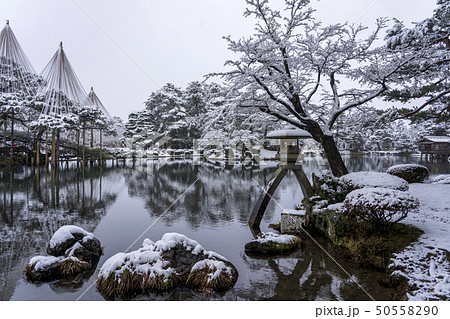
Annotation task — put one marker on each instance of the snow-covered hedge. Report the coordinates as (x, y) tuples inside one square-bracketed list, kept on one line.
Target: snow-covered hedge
[(442, 179), (412, 173), (330, 188), (375, 179), (380, 205)]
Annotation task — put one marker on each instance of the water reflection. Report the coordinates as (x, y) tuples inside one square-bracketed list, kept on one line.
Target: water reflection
[(119, 204), (35, 203), (215, 195)]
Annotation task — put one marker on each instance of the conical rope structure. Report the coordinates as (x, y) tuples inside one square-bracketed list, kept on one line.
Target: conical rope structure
[(93, 99), (17, 75), (63, 90)]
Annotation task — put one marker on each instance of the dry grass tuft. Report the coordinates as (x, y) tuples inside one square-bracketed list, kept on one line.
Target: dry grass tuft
[(29, 272), (129, 284), (199, 280), (69, 267)]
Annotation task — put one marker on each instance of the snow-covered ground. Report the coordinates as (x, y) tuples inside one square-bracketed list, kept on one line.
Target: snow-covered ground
[(426, 262)]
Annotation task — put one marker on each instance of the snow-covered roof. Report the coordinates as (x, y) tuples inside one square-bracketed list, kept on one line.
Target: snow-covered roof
[(289, 133), (436, 139)]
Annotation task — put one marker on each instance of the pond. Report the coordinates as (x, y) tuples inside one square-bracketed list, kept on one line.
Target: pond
[(124, 205)]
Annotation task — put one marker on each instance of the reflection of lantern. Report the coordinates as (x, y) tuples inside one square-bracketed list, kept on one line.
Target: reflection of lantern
[(289, 142), (289, 153)]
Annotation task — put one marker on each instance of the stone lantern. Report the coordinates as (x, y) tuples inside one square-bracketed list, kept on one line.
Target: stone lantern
[(290, 159)]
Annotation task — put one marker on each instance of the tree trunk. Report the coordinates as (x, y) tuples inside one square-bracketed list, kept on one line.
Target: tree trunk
[(331, 151), (38, 147), (92, 138), (5, 118), (333, 155)]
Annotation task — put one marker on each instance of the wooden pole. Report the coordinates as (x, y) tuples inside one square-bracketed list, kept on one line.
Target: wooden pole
[(101, 148), (38, 153), (12, 135), (53, 149), (57, 148), (84, 140), (92, 138), (78, 148), (46, 148)]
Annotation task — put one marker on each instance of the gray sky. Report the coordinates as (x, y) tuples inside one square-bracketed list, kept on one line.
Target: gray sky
[(175, 41)]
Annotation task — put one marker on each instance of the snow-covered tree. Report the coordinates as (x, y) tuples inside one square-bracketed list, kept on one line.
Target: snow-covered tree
[(224, 119), (424, 80), (294, 67)]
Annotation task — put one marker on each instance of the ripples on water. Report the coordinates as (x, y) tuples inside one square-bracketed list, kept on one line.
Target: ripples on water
[(118, 204)]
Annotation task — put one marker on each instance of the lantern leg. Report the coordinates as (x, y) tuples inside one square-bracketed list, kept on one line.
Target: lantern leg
[(305, 185), (264, 199)]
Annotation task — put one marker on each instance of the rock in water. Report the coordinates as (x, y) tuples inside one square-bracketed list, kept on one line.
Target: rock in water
[(272, 244), (163, 265), (73, 251), (73, 241)]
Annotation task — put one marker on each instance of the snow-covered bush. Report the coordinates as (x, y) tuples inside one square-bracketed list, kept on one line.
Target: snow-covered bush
[(412, 173), (330, 188), (380, 206), (375, 179)]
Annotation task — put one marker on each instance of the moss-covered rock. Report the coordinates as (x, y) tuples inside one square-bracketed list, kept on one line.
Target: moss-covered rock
[(412, 173), (272, 244), (374, 249)]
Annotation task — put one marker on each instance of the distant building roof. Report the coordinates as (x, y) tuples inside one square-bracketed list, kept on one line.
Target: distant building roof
[(435, 139)]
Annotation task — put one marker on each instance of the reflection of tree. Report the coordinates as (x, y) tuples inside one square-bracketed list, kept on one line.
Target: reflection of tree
[(35, 203), (219, 196), (310, 274)]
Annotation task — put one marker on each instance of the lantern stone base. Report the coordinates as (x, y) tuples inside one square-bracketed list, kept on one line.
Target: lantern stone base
[(292, 221)]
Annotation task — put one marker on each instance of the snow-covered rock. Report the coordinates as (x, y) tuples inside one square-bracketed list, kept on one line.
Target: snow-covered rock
[(73, 251), (163, 265), (375, 179), (272, 244), (73, 241)]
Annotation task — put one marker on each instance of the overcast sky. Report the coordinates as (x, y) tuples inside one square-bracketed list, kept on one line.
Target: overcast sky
[(175, 41)]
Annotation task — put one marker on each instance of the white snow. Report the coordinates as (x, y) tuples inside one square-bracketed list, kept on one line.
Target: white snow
[(145, 260), (42, 262), (273, 237), (382, 198), (65, 232), (375, 179), (148, 259), (215, 265), (169, 240), (425, 263), (289, 133), (404, 167)]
